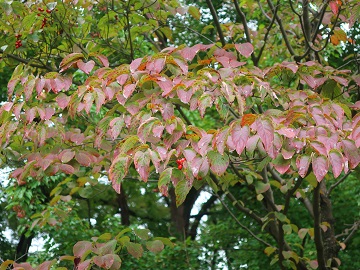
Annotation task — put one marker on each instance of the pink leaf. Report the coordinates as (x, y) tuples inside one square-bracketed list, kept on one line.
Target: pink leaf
[(82, 247), (66, 168), (320, 167), (245, 49), (118, 170), (351, 152), (83, 159), (265, 130), (122, 79), (336, 161), (334, 7), (86, 67), (128, 90), (62, 100), (188, 53), (142, 162), (135, 64), (303, 163), (66, 155), (310, 81), (218, 162), (240, 136)]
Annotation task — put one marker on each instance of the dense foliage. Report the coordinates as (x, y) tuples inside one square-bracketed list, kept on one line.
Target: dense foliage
[(122, 115)]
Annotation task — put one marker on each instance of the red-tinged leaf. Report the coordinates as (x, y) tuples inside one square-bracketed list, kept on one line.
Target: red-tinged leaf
[(170, 140), (240, 136), (118, 170), (45, 265), (203, 144), (245, 49), (282, 168), (116, 125), (220, 140), (310, 81), (122, 79), (49, 112), (204, 102), (28, 88), (314, 264), (218, 163), (320, 166), (155, 246), (336, 161), (66, 168), (248, 119), (319, 148), (188, 53), (62, 100), (30, 115), (341, 80), (252, 144), (334, 7), (103, 59), (351, 153), (11, 86), (181, 191), (134, 249), (85, 265), (108, 248), (69, 60), (135, 64), (302, 233), (128, 90), (292, 66), (22, 266), (81, 248), (142, 164), (83, 159), (303, 163), (265, 130), (164, 181), (7, 106), (66, 155), (287, 132)]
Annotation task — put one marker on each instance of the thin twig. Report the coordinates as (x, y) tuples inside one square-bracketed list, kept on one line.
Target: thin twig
[(342, 179)]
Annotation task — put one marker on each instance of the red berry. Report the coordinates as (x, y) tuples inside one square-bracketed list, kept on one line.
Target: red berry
[(180, 166), (39, 14), (40, 9), (48, 11)]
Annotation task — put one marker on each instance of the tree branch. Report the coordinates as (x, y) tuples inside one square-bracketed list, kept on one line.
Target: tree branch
[(216, 22), (246, 28), (282, 30), (25, 61), (342, 179), (242, 225)]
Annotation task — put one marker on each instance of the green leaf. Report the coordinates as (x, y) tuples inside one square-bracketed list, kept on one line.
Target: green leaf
[(86, 192), (134, 249), (164, 180), (218, 163), (261, 187), (118, 170), (155, 246), (181, 190), (194, 12), (142, 233), (287, 228)]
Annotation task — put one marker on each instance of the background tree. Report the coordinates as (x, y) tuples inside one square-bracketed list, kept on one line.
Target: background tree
[(268, 140)]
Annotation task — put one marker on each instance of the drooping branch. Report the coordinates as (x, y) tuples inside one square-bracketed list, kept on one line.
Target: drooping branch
[(242, 225), (282, 30), (26, 61), (204, 209), (342, 179), (246, 28), (216, 21)]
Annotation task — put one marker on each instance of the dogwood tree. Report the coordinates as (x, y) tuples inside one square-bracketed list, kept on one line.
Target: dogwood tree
[(104, 91)]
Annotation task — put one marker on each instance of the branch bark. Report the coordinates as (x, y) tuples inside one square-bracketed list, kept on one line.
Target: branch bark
[(216, 21)]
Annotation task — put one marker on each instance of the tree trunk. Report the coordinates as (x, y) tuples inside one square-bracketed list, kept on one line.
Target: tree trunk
[(22, 248), (180, 216), (329, 240), (124, 208)]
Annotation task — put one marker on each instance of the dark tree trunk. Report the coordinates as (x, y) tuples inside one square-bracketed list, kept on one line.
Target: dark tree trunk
[(22, 248), (124, 208), (329, 240), (180, 216)]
